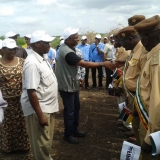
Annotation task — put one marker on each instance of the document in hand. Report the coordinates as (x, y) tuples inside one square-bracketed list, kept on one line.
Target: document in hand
[(155, 142), (130, 151)]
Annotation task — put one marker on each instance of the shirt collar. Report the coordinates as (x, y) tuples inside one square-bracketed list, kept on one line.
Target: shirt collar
[(37, 56), (139, 44), (155, 49)]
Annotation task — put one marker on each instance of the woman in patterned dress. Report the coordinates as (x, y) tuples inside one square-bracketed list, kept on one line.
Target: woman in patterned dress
[(13, 134)]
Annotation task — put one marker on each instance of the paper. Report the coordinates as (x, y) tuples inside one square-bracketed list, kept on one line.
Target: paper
[(130, 151), (155, 139)]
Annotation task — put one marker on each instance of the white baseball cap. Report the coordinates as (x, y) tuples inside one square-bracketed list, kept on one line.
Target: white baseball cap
[(28, 36), (40, 35), (105, 38), (11, 34), (83, 38), (61, 38), (98, 36), (1, 44), (9, 43), (69, 31)]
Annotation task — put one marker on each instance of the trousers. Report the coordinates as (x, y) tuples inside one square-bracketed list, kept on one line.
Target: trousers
[(71, 105)]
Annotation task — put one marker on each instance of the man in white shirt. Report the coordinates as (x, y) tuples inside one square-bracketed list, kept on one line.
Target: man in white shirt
[(40, 96), (108, 56)]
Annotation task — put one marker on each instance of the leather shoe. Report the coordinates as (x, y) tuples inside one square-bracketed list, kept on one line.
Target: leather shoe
[(78, 133), (71, 140), (131, 139)]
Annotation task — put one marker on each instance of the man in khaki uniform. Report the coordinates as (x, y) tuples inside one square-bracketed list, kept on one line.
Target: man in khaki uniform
[(130, 40), (149, 82), (121, 56)]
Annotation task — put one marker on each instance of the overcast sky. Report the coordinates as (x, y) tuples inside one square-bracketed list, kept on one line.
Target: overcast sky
[(26, 16)]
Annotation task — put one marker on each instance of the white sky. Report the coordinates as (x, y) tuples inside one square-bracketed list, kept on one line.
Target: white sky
[(53, 16)]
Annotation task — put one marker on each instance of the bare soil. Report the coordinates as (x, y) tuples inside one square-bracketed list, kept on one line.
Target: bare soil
[(98, 117)]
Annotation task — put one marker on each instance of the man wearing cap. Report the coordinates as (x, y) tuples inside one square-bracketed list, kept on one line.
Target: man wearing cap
[(147, 94), (109, 56), (105, 40), (68, 83), (130, 40), (40, 96), (84, 47), (27, 39), (96, 55), (21, 52)]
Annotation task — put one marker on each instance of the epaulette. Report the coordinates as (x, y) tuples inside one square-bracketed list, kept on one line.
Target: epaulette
[(155, 58)]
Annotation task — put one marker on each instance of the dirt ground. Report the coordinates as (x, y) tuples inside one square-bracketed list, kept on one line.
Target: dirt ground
[(98, 117)]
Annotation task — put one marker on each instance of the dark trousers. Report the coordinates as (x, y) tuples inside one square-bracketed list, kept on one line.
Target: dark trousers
[(108, 76), (71, 111), (100, 74), (86, 77)]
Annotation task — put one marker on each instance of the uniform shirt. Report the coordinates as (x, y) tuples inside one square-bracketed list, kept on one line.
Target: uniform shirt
[(134, 66), (150, 89), (38, 75), (94, 56), (85, 51), (121, 55), (109, 51)]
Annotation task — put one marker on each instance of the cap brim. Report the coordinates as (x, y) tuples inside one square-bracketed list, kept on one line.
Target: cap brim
[(12, 46), (48, 38)]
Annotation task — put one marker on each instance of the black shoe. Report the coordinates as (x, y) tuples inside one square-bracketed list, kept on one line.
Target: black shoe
[(78, 133), (71, 140)]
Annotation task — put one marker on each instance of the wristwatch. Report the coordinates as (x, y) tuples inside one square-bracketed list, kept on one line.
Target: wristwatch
[(101, 63)]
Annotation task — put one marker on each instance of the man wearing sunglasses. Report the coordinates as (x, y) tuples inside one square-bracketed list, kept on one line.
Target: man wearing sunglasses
[(147, 94)]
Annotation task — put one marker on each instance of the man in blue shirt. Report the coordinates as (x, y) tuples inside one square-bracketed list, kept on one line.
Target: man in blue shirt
[(84, 47), (96, 55)]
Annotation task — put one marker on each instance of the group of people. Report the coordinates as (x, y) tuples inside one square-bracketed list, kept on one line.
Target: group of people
[(139, 84), (30, 86), (30, 89)]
